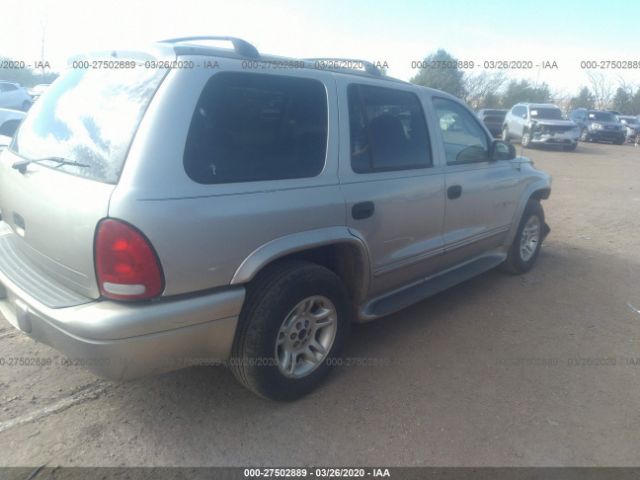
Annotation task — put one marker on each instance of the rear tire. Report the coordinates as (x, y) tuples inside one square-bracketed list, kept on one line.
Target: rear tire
[(282, 351), (525, 248), (619, 142)]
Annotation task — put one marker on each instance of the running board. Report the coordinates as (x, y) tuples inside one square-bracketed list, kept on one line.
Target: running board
[(395, 301)]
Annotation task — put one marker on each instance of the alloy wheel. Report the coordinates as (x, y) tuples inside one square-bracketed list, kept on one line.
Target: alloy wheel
[(306, 336)]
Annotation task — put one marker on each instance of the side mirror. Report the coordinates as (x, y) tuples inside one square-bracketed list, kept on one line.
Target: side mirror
[(502, 151), (524, 115)]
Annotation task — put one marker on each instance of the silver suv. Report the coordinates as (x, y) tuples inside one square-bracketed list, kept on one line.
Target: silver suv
[(540, 124), (246, 209)]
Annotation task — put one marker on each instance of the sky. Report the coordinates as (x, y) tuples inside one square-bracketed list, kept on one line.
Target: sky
[(397, 32)]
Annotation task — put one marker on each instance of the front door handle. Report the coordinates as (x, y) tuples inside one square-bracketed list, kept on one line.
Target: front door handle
[(362, 210), (454, 191)]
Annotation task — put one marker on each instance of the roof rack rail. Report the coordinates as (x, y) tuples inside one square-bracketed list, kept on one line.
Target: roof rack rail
[(369, 67), (241, 47)]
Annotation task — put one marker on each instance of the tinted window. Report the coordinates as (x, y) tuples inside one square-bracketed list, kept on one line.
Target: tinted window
[(388, 130), (89, 116), (251, 127), (464, 139), (519, 111), (493, 115)]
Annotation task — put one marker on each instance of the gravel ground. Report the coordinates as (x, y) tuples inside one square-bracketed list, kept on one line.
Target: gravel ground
[(541, 369)]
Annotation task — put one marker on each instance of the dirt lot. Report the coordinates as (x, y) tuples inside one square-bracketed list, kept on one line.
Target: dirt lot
[(542, 369)]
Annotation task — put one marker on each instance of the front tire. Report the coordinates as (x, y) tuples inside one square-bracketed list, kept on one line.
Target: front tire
[(525, 141), (570, 148), (525, 248), (294, 323), (584, 135)]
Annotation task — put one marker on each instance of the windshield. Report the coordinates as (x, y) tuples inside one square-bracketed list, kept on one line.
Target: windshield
[(602, 116), (547, 113), (89, 116)]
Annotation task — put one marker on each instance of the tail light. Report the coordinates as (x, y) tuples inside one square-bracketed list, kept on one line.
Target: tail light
[(127, 267)]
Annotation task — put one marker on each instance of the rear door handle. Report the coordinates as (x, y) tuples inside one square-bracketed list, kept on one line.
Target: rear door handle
[(454, 191), (362, 210)]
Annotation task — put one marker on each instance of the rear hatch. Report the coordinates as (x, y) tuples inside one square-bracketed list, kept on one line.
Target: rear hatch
[(88, 116)]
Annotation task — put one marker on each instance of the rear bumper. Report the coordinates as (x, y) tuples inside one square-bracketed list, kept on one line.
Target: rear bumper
[(122, 341)]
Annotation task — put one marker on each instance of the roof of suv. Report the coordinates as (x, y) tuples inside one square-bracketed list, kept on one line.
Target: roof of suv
[(243, 50)]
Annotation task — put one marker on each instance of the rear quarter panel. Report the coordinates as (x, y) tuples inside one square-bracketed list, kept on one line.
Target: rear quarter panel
[(203, 233)]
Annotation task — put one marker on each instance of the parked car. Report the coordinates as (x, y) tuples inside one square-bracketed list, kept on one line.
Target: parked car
[(540, 124), (38, 90), (493, 118), (9, 121), (599, 126), (171, 216), (632, 126), (12, 95)]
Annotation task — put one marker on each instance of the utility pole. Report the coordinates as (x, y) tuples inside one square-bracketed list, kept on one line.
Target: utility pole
[(43, 27)]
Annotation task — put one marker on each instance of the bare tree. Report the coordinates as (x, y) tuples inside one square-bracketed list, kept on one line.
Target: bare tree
[(601, 88), (562, 99), (626, 85), (481, 89)]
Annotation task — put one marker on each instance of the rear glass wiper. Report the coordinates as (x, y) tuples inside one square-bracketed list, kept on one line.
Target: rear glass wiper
[(21, 165)]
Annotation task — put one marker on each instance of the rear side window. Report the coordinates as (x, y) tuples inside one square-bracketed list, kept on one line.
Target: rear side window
[(252, 127), (388, 130), (88, 116)]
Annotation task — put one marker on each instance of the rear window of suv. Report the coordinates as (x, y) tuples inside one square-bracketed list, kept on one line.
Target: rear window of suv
[(88, 116), (254, 127)]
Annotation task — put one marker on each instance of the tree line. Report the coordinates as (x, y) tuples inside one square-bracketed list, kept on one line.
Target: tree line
[(495, 90)]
